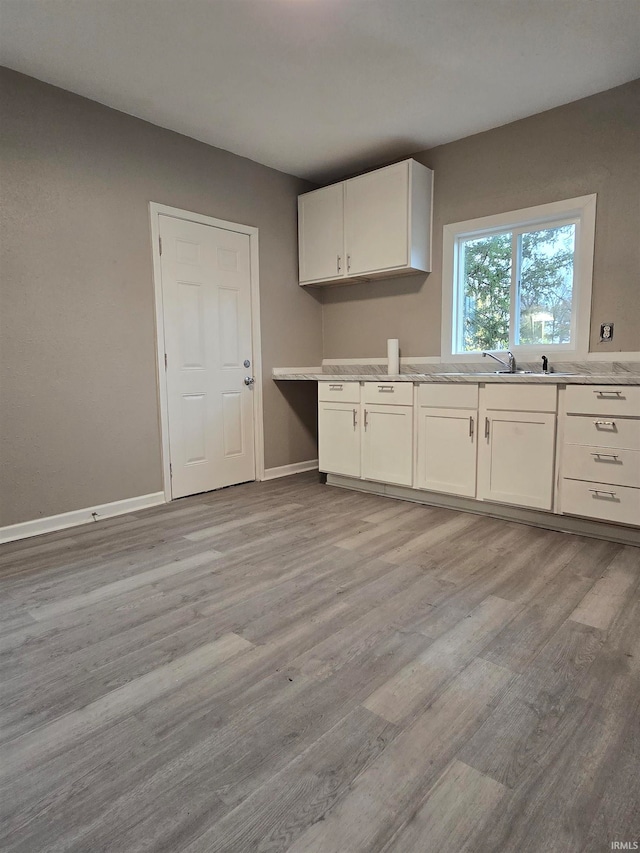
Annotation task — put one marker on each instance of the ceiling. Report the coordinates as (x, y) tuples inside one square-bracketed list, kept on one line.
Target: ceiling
[(324, 88)]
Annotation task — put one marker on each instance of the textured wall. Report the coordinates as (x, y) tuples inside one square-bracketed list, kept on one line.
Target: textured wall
[(589, 146), (78, 378)]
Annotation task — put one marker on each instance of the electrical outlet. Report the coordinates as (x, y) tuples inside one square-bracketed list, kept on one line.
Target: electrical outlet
[(606, 332)]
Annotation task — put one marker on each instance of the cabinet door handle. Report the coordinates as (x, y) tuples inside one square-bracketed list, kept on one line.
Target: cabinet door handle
[(471, 427), (355, 418), (339, 259), (605, 455), (607, 395), (486, 427), (348, 263), (366, 419)]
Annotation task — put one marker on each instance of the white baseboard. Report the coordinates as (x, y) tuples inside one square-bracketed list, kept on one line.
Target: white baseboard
[(287, 470), (78, 516)]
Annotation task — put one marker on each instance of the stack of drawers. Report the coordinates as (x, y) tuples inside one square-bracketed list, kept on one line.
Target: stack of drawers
[(601, 453)]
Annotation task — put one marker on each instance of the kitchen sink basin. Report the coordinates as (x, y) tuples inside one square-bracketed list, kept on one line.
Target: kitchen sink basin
[(502, 373)]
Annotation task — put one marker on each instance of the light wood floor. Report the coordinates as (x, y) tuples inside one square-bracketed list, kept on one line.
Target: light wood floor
[(288, 666)]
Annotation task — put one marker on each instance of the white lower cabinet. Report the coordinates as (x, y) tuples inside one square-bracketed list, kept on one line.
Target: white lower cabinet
[(372, 439), (516, 458), (339, 438), (447, 439), (387, 443), (447, 451), (601, 453), (494, 442)]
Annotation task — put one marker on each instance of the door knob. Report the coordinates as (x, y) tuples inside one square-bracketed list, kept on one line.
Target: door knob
[(249, 380)]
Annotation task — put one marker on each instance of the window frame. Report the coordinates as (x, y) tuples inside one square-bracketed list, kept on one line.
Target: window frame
[(580, 211)]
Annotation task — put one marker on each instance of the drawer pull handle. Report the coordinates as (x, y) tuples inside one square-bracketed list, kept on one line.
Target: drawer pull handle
[(386, 389), (599, 424), (471, 427), (355, 418), (608, 395), (335, 387), (600, 456), (599, 492)]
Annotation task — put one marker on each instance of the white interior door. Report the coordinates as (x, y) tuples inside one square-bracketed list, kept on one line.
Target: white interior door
[(206, 297)]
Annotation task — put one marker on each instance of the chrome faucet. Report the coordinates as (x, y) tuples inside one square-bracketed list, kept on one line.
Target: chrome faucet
[(510, 364)]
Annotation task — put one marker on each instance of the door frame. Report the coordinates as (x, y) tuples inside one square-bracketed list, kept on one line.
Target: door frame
[(155, 211)]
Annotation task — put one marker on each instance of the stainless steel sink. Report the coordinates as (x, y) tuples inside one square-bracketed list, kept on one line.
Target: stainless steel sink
[(502, 373)]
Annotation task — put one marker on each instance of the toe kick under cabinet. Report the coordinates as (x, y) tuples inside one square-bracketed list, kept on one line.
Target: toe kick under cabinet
[(600, 459), (366, 430)]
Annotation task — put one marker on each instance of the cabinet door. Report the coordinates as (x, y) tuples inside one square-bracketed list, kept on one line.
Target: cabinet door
[(516, 458), (377, 220), (387, 444), (321, 234), (447, 451), (339, 438)]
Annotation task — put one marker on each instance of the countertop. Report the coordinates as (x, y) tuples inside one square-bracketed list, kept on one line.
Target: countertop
[(297, 374)]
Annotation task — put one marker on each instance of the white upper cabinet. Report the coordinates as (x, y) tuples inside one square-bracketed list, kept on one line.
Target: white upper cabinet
[(374, 226), (377, 220), (321, 235)]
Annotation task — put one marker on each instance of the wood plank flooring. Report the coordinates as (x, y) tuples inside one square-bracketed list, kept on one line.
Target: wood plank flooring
[(287, 666)]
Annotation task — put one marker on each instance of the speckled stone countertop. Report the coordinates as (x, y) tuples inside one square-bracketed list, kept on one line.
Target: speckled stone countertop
[(589, 373)]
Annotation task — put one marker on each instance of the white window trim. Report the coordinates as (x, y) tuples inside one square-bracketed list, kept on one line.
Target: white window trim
[(583, 211)]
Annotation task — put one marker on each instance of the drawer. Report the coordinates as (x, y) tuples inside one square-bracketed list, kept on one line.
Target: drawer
[(601, 465), (444, 396), (603, 400), (599, 500), (347, 392), (602, 431), (520, 398), (392, 393)]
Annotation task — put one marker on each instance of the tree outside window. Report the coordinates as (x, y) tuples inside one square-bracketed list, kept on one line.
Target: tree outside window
[(532, 269)]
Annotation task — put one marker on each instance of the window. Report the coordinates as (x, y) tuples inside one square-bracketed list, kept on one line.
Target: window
[(519, 281)]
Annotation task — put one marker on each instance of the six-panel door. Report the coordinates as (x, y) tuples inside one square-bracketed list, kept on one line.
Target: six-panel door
[(387, 444), (516, 455), (339, 438), (447, 451), (206, 296)]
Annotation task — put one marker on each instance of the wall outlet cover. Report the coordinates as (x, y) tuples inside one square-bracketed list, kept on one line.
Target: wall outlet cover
[(606, 332)]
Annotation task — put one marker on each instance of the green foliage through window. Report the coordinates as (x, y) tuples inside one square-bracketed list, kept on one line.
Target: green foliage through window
[(540, 262)]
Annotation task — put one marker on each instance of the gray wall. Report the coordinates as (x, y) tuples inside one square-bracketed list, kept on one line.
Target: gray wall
[(589, 146), (79, 411)]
